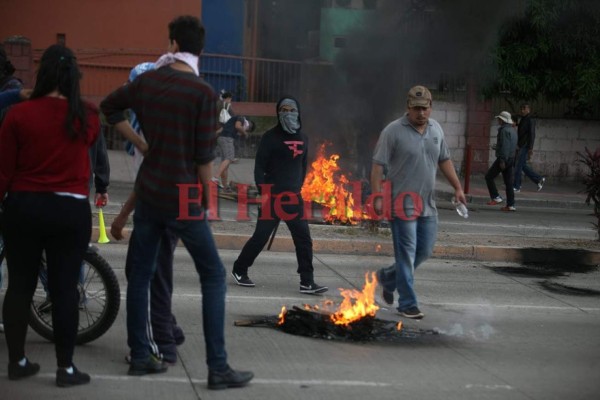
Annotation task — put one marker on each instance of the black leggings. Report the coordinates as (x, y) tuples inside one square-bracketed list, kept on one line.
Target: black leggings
[(60, 225)]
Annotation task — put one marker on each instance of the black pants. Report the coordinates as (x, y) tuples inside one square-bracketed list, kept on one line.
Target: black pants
[(163, 331), (508, 174), (264, 227), (60, 225)]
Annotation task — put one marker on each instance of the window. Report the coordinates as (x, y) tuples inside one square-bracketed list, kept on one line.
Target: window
[(61, 38), (339, 42)]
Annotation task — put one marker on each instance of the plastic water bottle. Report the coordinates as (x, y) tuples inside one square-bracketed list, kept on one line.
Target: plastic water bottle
[(461, 209)]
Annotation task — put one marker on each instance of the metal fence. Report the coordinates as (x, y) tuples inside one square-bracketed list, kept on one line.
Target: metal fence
[(247, 78)]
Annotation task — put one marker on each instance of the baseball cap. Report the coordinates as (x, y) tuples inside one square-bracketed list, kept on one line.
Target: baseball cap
[(419, 96), (505, 116)]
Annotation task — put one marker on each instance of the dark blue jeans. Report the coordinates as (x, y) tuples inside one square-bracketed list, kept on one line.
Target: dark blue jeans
[(523, 167), (149, 226)]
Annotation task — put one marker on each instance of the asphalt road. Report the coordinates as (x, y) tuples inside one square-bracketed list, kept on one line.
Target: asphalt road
[(503, 331)]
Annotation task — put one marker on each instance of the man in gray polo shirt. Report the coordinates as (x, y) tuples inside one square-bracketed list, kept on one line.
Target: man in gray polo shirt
[(409, 150)]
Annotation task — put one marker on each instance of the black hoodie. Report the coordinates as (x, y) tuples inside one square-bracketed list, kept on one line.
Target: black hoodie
[(281, 158)]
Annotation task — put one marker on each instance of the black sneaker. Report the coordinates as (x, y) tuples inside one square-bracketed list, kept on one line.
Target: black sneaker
[(413, 313), (229, 378), (178, 335), (242, 279), (312, 288), (65, 379), (16, 372), (151, 365), (388, 297)]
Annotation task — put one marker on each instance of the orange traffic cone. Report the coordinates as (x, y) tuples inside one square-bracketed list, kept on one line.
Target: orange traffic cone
[(102, 238)]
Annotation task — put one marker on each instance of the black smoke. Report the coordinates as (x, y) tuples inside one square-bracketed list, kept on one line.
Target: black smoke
[(407, 42)]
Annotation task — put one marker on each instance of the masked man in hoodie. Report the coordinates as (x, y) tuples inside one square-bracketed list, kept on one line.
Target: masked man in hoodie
[(279, 171)]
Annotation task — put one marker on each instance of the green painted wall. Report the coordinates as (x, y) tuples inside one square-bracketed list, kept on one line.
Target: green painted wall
[(339, 22)]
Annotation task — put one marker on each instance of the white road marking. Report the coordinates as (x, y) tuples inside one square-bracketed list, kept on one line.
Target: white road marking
[(318, 299), (273, 382), (488, 387)]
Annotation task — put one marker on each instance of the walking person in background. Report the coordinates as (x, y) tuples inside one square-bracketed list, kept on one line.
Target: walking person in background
[(411, 149), (281, 162), (506, 146), (237, 127), (177, 112), (45, 172), (526, 133), (164, 334)]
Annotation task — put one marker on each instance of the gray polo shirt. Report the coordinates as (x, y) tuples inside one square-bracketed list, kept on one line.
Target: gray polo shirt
[(412, 160)]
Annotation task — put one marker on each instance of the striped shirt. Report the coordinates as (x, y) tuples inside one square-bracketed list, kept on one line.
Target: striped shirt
[(177, 113)]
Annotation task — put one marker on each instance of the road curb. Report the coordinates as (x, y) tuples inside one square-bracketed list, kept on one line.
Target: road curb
[(525, 255)]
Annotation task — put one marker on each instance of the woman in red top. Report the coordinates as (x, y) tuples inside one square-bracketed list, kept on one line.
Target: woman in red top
[(44, 173)]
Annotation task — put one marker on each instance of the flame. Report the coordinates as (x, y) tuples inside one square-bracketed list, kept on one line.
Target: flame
[(282, 316), (325, 185), (399, 326), (357, 305)]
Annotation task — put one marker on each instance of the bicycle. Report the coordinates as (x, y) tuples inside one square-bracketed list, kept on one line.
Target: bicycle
[(100, 298)]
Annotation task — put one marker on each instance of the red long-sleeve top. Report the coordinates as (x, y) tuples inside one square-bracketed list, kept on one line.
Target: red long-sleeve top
[(37, 155)]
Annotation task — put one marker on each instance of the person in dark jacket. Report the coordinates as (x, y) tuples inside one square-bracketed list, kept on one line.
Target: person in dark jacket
[(506, 147), (279, 171), (526, 133)]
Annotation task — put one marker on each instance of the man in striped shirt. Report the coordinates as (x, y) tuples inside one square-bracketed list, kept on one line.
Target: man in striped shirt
[(176, 110)]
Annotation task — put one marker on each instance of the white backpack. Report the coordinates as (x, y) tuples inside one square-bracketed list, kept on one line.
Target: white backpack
[(224, 115)]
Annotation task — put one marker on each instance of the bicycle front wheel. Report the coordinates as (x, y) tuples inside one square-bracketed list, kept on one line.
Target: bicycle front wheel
[(100, 298)]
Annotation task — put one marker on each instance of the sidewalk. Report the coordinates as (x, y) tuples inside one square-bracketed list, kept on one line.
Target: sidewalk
[(555, 194), (327, 239)]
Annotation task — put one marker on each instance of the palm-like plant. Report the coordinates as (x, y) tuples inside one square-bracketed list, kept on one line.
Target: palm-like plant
[(592, 181)]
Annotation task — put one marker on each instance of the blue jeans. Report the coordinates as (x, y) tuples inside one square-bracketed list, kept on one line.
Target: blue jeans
[(522, 166), (149, 224), (413, 244), (1, 248)]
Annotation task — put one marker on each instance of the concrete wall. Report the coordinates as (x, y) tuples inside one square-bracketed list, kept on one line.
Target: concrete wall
[(453, 119), (131, 24), (556, 145)]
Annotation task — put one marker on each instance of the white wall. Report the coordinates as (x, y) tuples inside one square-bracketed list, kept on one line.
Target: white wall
[(453, 119), (556, 145)]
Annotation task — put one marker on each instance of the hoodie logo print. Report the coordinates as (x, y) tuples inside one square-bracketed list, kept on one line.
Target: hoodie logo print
[(293, 146)]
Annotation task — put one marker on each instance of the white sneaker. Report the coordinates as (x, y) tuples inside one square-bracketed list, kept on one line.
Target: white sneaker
[(541, 184), (218, 182), (495, 201)]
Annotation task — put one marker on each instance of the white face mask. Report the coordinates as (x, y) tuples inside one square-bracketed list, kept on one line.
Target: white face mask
[(289, 121)]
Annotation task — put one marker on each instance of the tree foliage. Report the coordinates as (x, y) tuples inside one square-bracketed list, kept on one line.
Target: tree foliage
[(552, 50)]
